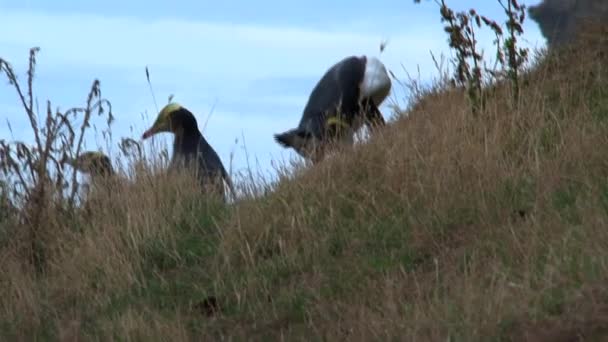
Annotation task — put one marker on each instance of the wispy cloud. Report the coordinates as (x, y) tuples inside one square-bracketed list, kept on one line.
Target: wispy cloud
[(227, 50)]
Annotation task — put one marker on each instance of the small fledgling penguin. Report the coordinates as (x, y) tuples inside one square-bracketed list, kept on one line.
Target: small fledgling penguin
[(103, 180), (345, 98), (93, 163), (189, 146)]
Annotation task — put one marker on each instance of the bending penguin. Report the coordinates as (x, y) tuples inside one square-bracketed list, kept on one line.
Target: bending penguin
[(190, 147), (345, 98)]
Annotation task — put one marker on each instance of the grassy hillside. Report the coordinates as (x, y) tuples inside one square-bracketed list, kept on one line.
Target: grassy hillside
[(448, 225)]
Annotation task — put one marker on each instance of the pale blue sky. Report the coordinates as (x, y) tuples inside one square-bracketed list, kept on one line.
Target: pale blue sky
[(253, 62)]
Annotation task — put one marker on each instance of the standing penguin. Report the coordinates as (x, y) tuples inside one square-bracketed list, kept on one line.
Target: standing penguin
[(190, 147), (345, 98)]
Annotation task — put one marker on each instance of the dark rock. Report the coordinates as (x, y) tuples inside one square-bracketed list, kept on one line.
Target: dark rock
[(560, 20), (208, 306)]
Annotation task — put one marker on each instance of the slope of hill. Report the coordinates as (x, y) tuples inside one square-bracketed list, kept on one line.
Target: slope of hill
[(448, 225)]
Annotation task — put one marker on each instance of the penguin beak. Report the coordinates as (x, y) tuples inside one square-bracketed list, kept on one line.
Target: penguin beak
[(159, 126), (148, 133)]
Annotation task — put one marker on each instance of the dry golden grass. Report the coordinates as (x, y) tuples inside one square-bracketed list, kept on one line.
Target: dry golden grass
[(445, 226)]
